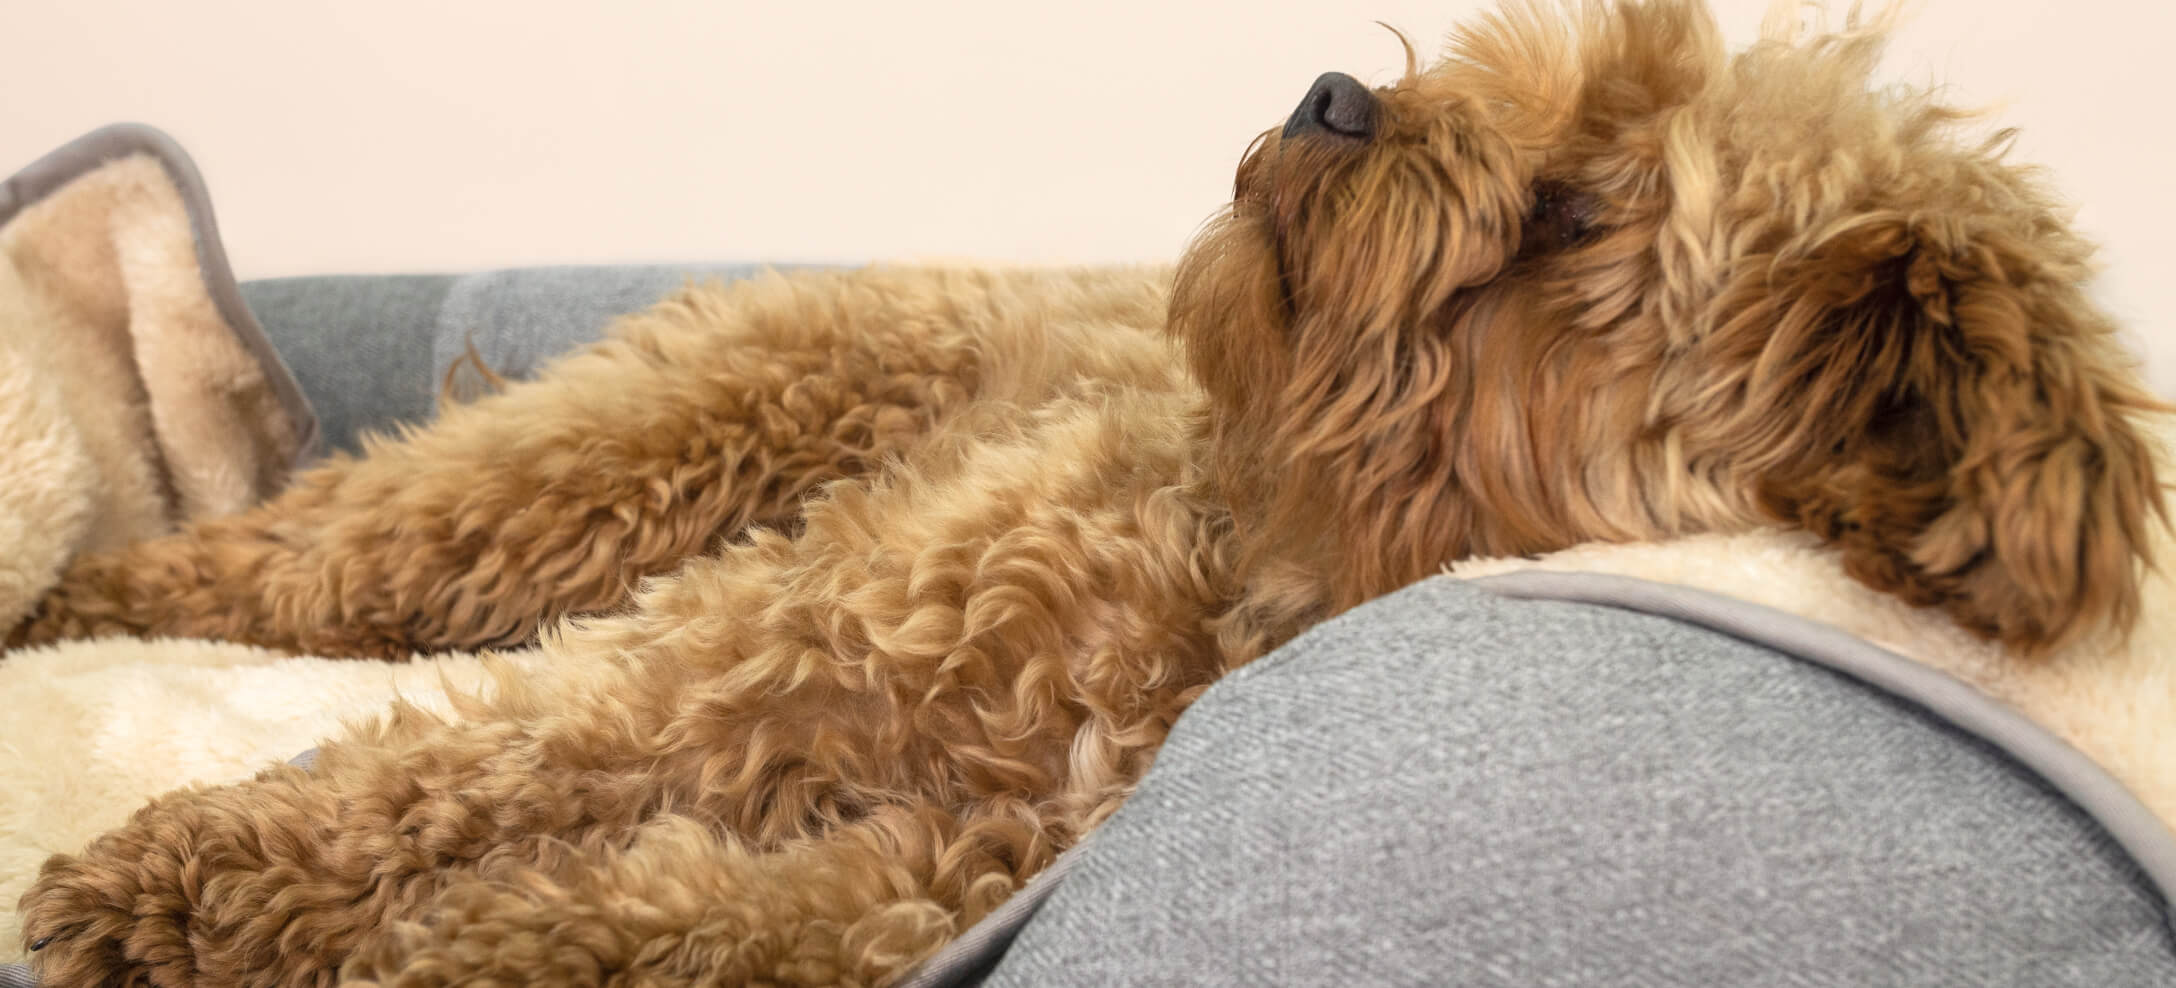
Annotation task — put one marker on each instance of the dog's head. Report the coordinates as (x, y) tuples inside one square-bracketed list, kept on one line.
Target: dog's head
[(1591, 278)]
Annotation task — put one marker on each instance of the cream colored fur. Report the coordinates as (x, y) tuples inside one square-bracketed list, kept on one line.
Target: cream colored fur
[(45, 505), (88, 393), (175, 408), (89, 731), (127, 405)]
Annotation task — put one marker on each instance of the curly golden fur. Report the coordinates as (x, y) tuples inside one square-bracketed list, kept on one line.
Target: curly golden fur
[(887, 585)]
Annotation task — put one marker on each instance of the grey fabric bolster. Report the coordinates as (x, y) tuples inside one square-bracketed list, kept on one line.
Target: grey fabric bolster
[(2088, 785), (1097, 939), (374, 351)]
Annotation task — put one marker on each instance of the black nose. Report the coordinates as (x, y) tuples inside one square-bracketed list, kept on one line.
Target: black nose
[(1336, 104)]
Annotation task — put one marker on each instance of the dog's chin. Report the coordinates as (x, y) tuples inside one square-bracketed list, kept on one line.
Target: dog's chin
[(1230, 306), (1254, 231)]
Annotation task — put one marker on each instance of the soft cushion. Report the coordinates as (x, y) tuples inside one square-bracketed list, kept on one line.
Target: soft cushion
[(1447, 786), (374, 351)]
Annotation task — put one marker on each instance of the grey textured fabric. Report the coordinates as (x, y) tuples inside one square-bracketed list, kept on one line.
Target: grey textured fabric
[(360, 345), (1449, 786), (2067, 769), (373, 350), (518, 319)]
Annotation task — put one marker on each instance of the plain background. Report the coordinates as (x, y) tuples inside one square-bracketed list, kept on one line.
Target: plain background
[(430, 135)]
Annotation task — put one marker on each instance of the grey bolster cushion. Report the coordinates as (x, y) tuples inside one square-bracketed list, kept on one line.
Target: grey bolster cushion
[(1454, 786), (373, 350), (1462, 784)]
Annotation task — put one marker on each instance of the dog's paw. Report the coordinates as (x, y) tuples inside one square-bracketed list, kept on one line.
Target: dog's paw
[(103, 919), (268, 881), (178, 896)]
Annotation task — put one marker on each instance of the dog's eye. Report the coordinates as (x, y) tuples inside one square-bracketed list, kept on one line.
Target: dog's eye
[(1561, 217)]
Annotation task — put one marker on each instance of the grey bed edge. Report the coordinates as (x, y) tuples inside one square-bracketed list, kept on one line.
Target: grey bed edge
[(2098, 795)]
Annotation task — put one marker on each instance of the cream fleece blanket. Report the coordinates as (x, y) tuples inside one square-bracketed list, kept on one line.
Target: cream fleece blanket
[(136, 393), (89, 731)]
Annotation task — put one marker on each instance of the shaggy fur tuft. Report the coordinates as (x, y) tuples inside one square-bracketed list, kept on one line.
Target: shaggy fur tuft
[(904, 576)]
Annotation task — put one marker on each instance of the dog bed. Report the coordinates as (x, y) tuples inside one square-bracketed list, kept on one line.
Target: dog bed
[(1523, 779), (1581, 779), (2010, 821)]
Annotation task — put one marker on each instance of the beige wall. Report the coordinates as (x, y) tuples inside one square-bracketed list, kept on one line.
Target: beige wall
[(447, 134)]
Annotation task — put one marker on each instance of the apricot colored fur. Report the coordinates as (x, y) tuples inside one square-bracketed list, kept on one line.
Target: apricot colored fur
[(889, 584)]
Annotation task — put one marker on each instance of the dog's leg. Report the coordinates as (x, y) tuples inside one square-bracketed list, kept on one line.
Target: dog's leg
[(271, 881), (924, 643), (284, 879), (709, 414), (280, 879), (684, 905), (693, 703)]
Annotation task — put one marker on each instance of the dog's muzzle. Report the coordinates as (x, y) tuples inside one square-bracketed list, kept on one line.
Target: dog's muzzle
[(1336, 105)]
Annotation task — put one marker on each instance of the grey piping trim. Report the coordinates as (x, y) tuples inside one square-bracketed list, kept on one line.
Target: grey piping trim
[(970, 958), (2134, 827), (117, 141)]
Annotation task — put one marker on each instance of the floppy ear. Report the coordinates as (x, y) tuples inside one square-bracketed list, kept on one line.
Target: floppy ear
[(1972, 437)]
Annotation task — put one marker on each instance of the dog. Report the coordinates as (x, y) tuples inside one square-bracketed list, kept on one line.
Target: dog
[(925, 564)]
